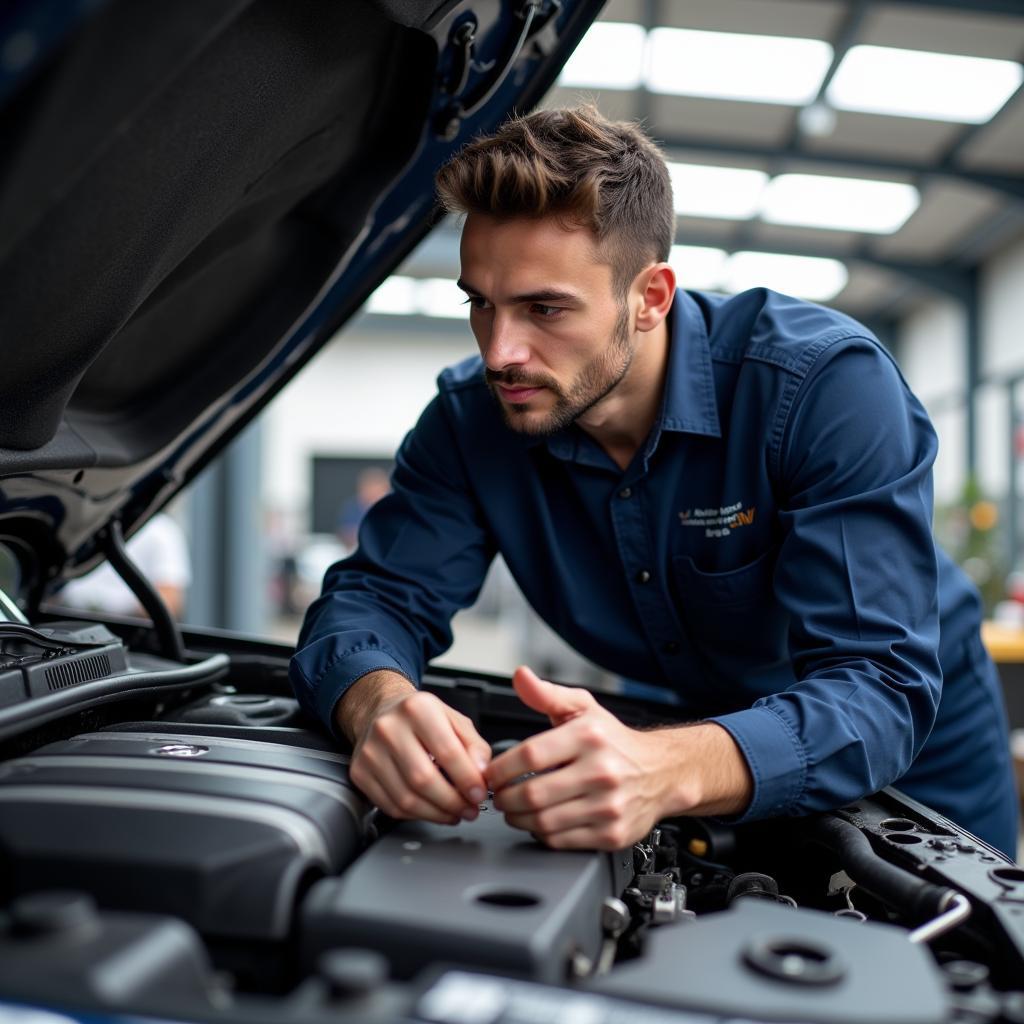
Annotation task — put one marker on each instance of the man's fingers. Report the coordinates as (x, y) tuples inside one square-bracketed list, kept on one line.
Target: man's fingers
[(384, 787), (559, 703), (584, 823), (582, 811), (411, 736), (424, 779), (479, 749), (586, 837), (539, 753), (541, 791), (434, 726)]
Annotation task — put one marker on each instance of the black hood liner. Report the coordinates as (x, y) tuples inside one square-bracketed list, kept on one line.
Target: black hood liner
[(177, 188)]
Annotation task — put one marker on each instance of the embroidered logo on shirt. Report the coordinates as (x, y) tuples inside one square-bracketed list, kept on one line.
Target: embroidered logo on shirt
[(718, 522)]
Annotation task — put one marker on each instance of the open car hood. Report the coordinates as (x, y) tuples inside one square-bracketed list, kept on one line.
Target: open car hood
[(193, 198)]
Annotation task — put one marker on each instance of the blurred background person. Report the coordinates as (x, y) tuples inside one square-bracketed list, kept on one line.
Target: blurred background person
[(371, 485)]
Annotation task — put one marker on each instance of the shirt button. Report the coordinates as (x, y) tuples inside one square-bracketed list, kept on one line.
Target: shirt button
[(672, 647), (643, 576), (626, 492)]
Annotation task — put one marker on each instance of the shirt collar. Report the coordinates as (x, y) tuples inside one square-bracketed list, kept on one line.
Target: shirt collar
[(688, 404)]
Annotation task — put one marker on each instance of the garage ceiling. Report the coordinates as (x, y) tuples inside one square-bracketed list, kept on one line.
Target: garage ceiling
[(970, 176)]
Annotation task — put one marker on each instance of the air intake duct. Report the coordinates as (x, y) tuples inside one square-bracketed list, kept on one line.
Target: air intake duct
[(54, 657)]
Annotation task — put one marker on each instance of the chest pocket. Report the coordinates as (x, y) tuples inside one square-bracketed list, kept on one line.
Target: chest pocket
[(734, 620), (747, 586)]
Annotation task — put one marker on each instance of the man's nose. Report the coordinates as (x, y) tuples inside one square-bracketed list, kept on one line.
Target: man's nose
[(505, 345)]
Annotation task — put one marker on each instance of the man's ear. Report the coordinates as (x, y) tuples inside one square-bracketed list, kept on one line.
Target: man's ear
[(656, 288)]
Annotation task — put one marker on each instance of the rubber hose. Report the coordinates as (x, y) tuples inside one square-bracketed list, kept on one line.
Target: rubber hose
[(917, 898)]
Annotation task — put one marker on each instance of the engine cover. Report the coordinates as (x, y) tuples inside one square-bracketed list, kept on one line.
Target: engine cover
[(223, 833), (486, 894), (765, 961)]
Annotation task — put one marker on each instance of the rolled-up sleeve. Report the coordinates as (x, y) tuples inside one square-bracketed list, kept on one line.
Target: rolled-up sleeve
[(857, 572), (423, 554)]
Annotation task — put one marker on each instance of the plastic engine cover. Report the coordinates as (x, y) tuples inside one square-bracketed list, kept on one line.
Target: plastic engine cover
[(769, 962), (223, 833), (484, 895)]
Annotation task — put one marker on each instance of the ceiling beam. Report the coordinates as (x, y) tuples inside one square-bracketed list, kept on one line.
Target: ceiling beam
[(1007, 184), (1000, 228), (950, 281), (651, 17), (439, 256), (841, 43)]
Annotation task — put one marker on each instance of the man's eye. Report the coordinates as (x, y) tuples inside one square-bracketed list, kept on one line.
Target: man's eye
[(546, 311), (476, 301)]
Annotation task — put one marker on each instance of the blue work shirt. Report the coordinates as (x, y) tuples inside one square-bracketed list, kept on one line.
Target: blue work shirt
[(767, 556)]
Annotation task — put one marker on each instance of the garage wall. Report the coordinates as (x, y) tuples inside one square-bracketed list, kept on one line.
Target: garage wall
[(359, 396), (932, 343), (932, 353), (1002, 297), (931, 347)]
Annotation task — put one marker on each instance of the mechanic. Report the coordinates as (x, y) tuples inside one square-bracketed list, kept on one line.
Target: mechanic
[(729, 498)]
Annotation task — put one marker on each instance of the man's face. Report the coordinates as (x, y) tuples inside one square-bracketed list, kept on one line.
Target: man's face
[(554, 336)]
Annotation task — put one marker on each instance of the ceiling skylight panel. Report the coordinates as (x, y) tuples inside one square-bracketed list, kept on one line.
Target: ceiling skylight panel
[(846, 204), (609, 56), (698, 266), (731, 65), (806, 277), (915, 83), (703, 191)]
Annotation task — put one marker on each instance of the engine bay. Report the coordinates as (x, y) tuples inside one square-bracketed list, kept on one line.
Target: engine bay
[(194, 849)]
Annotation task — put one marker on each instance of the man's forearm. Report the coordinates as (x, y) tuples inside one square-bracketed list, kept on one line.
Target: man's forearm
[(365, 697), (706, 772)]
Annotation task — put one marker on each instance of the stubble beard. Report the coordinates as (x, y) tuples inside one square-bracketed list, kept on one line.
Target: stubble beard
[(591, 385)]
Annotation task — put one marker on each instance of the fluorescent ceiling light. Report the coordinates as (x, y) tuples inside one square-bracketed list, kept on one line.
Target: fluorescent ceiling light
[(609, 56), (702, 191), (848, 204), (441, 297), (396, 296), (730, 65), (806, 277), (698, 266), (914, 83)]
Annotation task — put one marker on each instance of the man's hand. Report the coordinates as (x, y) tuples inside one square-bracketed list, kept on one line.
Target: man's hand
[(414, 757), (604, 785)]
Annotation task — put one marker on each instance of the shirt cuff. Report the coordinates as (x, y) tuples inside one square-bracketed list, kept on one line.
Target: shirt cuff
[(333, 684), (775, 756)]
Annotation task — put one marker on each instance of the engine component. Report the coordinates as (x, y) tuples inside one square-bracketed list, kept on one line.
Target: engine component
[(753, 885), (223, 833), (919, 899), (484, 895), (956, 910), (56, 946), (37, 662), (659, 897), (239, 709), (615, 919), (763, 961)]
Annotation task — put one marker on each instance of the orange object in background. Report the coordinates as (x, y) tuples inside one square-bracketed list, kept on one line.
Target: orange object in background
[(984, 515)]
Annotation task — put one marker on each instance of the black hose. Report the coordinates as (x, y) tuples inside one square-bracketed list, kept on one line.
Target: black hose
[(913, 896), (168, 634)]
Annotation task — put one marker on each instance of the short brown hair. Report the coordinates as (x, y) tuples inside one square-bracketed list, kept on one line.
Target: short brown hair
[(577, 165)]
